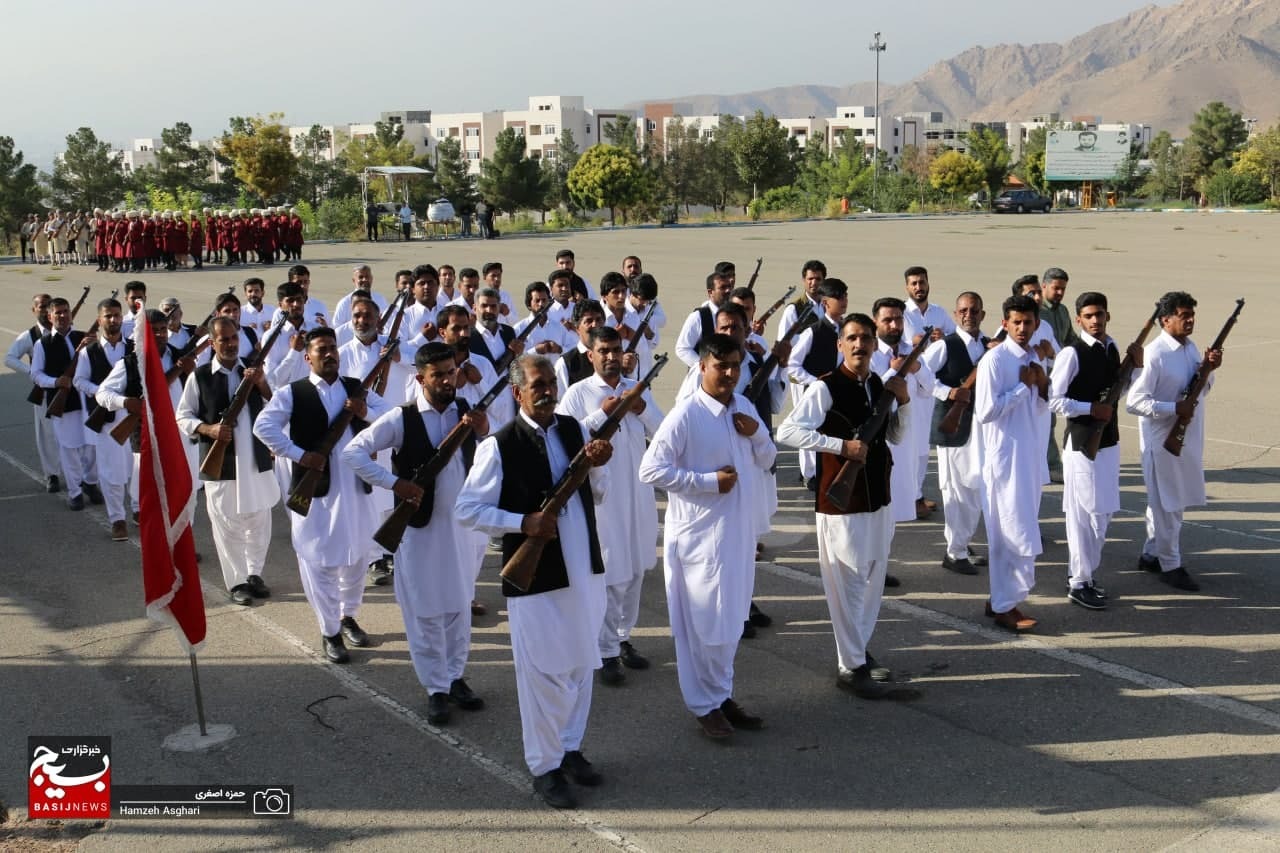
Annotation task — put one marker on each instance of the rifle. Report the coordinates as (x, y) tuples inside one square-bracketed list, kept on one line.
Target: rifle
[(638, 334), (58, 405), (807, 319), (509, 356), (402, 300), (751, 282), (121, 431), (773, 309), (392, 530), (841, 488), (36, 394), (75, 309), (211, 466), (523, 565), (302, 495), (1111, 396), (386, 315), (1199, 382)]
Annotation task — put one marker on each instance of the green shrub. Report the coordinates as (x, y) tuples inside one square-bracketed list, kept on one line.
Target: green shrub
[(340, 219)]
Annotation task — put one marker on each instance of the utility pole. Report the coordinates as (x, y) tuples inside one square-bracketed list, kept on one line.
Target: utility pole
[(877, 47)]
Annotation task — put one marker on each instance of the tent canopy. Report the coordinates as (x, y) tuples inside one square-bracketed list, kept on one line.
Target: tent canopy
[(390, 174)]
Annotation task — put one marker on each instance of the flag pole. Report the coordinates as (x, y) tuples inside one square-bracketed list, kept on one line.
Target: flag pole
[(195, 679)]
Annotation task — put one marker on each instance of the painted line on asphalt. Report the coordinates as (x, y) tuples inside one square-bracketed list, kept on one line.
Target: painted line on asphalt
[(517, 779), (1222, 440), (1157, 684)]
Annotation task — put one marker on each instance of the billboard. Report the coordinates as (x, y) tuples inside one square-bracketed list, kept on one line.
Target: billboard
[(1084, 155)]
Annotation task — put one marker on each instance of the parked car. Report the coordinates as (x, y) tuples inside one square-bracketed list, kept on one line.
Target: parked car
[(1021, 201)]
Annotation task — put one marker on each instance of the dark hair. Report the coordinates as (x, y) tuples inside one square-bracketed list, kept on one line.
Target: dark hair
[(444, 267), (1020, 305), (222, 321), (361, 293), (565, 253), (816, 266), (468, 272), (711, 280), (1022, 281), (443, 315), (365, 300), (578, 285), (975, 296), (645, 286), (1090, 297), (635, 258), (433, 353), (297, 270), (833, 288), (736, 310), (1055, 274), (1170, 303), (423, 271), (288, 290), (608, 334), (726, 268), (585, 307), (491, 266), (320, 332), (255, 280), (743, 293), (155, 317), (532, 288), (717, 346), (558, 274), (611, 281), (887, 302), (910, 271), (109, 302), (224, 298), (859, 318), (135, 285)]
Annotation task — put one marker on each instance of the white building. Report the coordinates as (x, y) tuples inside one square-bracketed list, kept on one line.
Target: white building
[(804, 129), (477, 133)]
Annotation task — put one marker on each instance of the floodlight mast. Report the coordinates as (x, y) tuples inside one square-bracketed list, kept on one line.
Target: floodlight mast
[(877, 47)]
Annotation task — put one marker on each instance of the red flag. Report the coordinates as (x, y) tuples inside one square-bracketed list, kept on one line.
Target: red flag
[(166, 503)]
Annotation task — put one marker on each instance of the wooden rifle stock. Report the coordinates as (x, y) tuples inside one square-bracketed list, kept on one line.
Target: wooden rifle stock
[(773, 309), (751, 282), (392, 530), (841, 489), (213, 460), (301, 497), (1111, 396), (950, 423), (75, 309), (402, 299), (807, 319), (58, 405), (386, 315), (121, 431), (1199, 382), (36, 396), (523, 565), (638, 334)]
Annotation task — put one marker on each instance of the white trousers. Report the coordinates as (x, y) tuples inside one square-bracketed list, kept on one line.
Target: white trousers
[(1087, 487), (705, 672), (333, 592), (241, 539), (137, 468), (621, 612), (1012, 576), (79, 465), (853, 556), (553, 711), (46, 444), (960, 481), (115, 462), (438, 646)]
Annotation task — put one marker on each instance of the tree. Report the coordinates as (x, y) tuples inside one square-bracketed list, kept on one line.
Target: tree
[(1162, 181), (686, 159), (452, 178), (19, 190), (608, 176), (262, 154), (1031, 167), (180, 163), (761, 153), (621, 132), (957, 175), (1261, 158), (915, 163), (1217, 134), (1228, 187), (318, 175), (720, 183), (509, 180), (815, 175), (991, 152), (556, 171), (88, 174), (1130, 173)]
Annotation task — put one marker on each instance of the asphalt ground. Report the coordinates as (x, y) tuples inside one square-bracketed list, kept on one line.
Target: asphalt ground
[(1153, 724)]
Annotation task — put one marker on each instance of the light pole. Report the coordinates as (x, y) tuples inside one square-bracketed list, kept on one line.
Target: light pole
[(877, 47)]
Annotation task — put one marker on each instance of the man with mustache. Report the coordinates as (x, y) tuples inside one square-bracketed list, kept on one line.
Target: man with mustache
[(437, 560), (114, 461), (555, 624), (332, 540), (574, 365), (491, 339), (23, 347), (891, 351)]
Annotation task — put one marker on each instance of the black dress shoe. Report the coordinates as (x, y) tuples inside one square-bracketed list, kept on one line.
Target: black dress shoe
[(335, 650), (891, 582), (76, 504), (438, 712), (553, 787), (748, 631), (380, 572), (1148, 563), (1087, 597), (580, 772), (461, 695), (257, 588), (94, 494), (976, 558), (758, 617), (740, 719), (52, 485), (878, 672), (354, 633), (630, 658), (812, 484), (1179, 578), (860, 684), (611, 673), (241, 595), (961, 566)]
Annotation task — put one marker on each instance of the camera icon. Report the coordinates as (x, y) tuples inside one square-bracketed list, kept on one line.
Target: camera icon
[(272, 801)]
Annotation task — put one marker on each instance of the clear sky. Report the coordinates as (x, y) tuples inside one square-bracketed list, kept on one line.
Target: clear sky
[(129, 69)]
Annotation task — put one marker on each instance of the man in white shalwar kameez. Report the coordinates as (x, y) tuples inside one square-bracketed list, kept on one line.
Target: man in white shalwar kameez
[(891, 350), (332, 539), (23, 346), (919, 313), (701, 457), (555, 623), (629, 547), (812, 275), (1011, 405), (114, 460), (1173, 482), (240, 498), (853, 541), (436, 562)]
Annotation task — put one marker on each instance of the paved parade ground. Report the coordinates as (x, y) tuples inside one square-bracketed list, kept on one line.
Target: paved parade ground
[(1152, 724)]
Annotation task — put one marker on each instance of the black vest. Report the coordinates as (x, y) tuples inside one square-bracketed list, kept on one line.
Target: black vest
[(850, 408), (953, 374), (1099, 369), (309, 423), (57, 358), (479, 346), (417, 449), (764, 405), (526, 483), (36, 333), (822, 357), (706, 317), (99, 369), (577, 365), (214, 398)]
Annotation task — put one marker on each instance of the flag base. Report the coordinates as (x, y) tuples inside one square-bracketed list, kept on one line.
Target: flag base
[(189, 739)]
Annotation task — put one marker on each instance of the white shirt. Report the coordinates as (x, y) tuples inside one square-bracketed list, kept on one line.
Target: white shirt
[(342, 313), (691, 334), (549, 330), (914, 321), (22, 347)]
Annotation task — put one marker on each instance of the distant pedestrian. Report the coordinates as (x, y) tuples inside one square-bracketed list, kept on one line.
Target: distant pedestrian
[(371, 213), (406, 221)]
